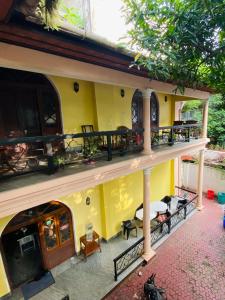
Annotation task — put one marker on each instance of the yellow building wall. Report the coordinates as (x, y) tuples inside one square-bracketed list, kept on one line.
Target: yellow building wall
[(84, 214), (4, 285), (77, 108), (121, 198), (112, 109), (165, 109)]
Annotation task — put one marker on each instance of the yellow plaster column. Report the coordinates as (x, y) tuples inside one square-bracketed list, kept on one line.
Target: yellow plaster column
[(200, 178), (148, 252), (147, 120), (205, 119)]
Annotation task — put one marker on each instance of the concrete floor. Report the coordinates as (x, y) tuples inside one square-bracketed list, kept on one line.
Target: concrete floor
[(86, 280)]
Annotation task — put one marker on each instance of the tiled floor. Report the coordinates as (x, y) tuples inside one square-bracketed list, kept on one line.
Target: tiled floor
[(190, 265), (82, 280)]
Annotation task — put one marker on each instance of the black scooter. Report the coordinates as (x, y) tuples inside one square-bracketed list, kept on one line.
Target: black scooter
[(151, 291)]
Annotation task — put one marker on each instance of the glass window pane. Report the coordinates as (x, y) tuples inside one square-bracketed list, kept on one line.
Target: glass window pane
[(64, 227), (50, 235)]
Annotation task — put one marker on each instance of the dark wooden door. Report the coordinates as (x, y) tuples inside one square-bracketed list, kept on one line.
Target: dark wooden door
[(56, 236)]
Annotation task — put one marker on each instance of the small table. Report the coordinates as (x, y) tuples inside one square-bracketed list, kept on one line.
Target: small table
[(139, 214), (89, 247)]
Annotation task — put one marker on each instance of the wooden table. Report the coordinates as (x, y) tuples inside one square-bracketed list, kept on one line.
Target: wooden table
[(89, 247)]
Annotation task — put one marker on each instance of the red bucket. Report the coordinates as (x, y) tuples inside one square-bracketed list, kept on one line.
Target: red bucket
[(210, 194)]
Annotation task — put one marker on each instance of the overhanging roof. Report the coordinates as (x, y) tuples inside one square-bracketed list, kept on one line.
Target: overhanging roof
[(19, 32)]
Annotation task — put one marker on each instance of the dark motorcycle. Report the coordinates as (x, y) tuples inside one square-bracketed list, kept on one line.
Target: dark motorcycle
[(151, 291)]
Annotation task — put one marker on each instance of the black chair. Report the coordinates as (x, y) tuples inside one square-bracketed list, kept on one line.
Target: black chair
[(167, 201), (128, 226), (182, 203)]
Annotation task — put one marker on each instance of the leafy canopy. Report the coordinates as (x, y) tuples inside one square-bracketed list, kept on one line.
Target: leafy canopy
[(182, 41)]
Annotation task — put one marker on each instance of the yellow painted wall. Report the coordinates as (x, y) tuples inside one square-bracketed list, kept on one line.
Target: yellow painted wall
[(4, 286), (84, 214), (77, 108), (165, 109), (121, 197), (160, 181), (112, 109)]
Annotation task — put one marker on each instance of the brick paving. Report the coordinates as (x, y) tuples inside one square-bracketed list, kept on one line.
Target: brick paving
[(190, 265)]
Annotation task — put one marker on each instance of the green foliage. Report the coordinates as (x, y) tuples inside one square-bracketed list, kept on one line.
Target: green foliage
[(182, 41), (51, 12), (216, 122), (72, 15), (192, 105)]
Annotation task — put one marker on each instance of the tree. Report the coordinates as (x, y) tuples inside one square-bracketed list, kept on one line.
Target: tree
[(216, 122), (181, 41)]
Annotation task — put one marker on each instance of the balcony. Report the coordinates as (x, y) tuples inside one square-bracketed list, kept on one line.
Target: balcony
[(48, 154), (170, 135)]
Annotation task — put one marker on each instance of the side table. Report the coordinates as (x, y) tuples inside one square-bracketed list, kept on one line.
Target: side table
[(89, 247)]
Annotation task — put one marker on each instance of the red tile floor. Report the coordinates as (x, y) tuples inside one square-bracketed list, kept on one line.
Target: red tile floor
[(190, 264)]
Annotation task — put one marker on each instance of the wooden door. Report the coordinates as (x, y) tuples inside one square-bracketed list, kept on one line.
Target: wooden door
[(56, 236)]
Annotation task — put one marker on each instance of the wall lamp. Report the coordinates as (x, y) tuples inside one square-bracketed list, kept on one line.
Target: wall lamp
[(88, 201), (76, 87), (122, 93)]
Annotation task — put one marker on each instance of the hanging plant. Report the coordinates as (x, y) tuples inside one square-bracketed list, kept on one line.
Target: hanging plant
[(47, 11)]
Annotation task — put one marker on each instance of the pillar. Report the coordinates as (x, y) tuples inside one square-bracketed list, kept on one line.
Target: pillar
[(205, 119), (148, 251), (147, 120), (200, 178)]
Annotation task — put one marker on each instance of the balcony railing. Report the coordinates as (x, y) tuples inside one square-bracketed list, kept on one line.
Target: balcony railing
[(169, 135), (48, 153), (130, 255)]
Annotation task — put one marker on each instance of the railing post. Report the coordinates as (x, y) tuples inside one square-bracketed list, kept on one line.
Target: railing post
[(109, 147), (115, 271)]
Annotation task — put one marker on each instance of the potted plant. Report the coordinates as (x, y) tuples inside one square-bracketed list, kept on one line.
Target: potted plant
[(90, 149)]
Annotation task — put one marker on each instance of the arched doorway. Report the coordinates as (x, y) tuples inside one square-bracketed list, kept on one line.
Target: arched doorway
[(29, 105), (36, 240), (154, 113), (137, 110)]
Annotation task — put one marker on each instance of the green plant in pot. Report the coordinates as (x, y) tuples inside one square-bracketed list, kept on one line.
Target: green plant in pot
[(90, 149)]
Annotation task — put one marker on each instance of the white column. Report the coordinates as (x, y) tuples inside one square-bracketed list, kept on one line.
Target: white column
[(200, 178), (148, 252), (205, 119), (147, 120), (177, 171)]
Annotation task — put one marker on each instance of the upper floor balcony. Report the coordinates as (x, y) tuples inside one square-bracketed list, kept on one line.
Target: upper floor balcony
[(44, 134)]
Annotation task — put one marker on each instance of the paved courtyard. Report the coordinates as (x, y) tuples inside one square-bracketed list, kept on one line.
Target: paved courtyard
[(190, 265)]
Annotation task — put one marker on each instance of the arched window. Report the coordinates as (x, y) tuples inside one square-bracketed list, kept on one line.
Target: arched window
[(137, 110), (154, 113), (29, 105)]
